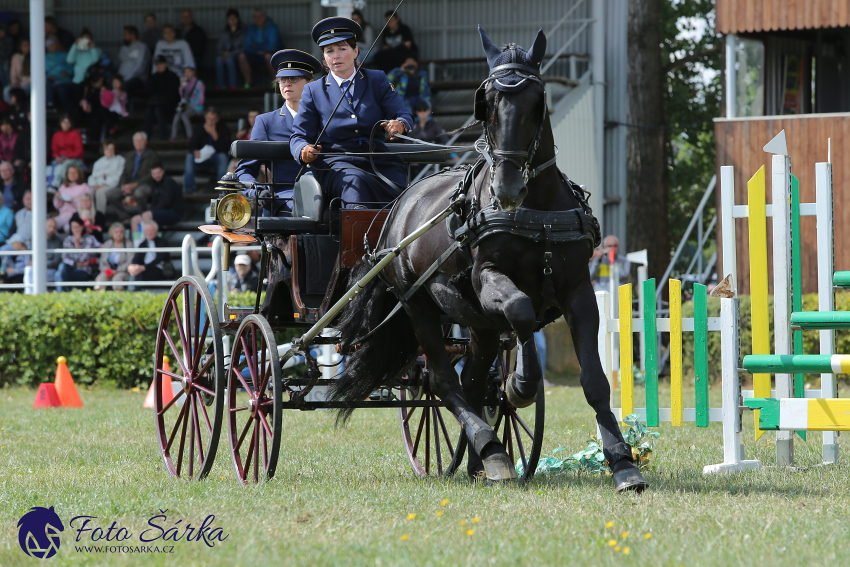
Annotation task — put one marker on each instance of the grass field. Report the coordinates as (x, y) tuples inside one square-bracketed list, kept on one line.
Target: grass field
[(347, 497)]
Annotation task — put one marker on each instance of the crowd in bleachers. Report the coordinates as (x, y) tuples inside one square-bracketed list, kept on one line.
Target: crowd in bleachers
[(157, 75)]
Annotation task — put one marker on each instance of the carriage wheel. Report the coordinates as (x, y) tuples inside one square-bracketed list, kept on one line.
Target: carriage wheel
[(254, 401), (427, 432), (188, 423), (519, 430)]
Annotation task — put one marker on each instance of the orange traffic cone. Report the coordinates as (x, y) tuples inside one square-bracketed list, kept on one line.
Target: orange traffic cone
[(65, 387), (47, 397), (167, 392)]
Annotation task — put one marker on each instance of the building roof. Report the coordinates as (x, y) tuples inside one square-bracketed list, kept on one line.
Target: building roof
[(741, 16)]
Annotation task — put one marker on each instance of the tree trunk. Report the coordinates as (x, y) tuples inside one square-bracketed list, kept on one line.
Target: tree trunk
[(646, 148)]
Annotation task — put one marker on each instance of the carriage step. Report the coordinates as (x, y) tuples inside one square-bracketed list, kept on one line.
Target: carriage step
[(841, 279), (797, 414), (820, 320), (797, 363)]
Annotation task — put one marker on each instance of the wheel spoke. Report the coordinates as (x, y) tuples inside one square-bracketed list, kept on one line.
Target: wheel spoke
[(265, 451), (241, 408), (265, 423), (182, 438), (446, 434), (239, 376), (410, 412), (428, 441), (199, 339), (510, 443), (518, 442), (524, 426), (250, 453), (249, 363), (264, 376), (206, 418), (242, 435), (176, 355), (192, 416), (257, 432), (437, 444), (181, 330), (199, 403), (418, 434), (199, 348), (171, 403), (203, 389), (176, 425), (167, 373), (190, 344), (206, 366)]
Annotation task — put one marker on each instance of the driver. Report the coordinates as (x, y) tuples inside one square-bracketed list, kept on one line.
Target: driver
[(294, 70), (370, 99)]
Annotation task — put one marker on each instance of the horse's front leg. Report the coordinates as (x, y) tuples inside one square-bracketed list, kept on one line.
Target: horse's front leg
[(500, 296)]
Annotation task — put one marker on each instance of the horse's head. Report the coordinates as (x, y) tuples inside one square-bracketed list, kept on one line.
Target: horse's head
[(512, 105)]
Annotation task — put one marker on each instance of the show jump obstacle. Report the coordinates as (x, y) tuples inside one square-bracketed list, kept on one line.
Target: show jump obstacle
[(794, 410)]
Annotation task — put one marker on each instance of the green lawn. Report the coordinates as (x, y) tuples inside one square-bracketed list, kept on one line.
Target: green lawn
[(343, 497)]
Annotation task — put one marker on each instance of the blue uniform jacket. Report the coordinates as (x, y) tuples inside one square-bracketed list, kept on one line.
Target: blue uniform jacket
[(274, 126), (373, 98)]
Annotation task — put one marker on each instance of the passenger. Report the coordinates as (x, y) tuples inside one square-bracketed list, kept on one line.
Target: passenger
[(294, 70), (369, 100)]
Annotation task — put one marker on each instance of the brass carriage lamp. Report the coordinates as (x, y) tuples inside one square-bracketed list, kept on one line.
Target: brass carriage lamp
[(232, 210)]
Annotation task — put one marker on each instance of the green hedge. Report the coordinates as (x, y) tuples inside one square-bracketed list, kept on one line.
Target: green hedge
[(811, 344), (107, 338)]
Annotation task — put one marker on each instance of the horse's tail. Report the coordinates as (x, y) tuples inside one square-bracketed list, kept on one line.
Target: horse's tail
[(384, 356)]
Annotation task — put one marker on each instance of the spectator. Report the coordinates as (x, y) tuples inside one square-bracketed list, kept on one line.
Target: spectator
[(19, 71), (23, 149), (152, 34), (261, 41), (244, 276), (8, 138), (114, 101), (59, 71), (13, 189), (18, 111), (193, 34), (164, 87), (600, 264), (133, 61), (23, 218), (245, 134), (93, 110), (396, 44), (231, 43), (131, 195), (7, 218), (67, 149), (14, 266), (147, 266), (7, 47), (52, 29), (176, 51), (77, 266), (15, 30), (82, 55), (166, 201), (208, 148), (411, 83), (105, 174), (191, 102), (364, 42), (425, 128), (53, 242), (113, 265), (93, 220), (67, 199)]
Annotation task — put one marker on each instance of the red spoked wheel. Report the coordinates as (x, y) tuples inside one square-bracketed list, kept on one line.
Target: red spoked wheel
[(427, 432), (188, 423), (254, 401)]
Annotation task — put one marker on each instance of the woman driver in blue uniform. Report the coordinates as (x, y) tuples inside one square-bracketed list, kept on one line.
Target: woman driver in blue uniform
[(369, 99), (294, 70)]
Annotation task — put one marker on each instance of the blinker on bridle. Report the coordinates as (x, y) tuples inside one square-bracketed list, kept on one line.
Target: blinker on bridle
[(495, 157)]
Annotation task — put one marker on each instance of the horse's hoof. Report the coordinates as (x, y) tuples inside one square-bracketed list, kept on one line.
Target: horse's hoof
[(514, 397), (629, 479), (499, 468)]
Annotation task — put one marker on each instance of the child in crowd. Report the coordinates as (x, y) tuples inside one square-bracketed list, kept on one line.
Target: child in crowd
[(67, 199), (115, 102), (191, 102), (93, 220)]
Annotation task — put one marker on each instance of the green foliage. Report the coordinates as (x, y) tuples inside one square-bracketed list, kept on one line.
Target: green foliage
[(692, 56), (107, 338), (592, 459), (811, 344)]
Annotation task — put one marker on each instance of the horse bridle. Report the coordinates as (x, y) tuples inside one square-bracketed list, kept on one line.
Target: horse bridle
[(495, 157)]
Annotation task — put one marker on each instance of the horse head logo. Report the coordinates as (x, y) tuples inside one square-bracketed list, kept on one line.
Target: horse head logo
[(38, 532)]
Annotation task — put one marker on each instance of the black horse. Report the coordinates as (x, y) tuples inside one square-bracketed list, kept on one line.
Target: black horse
[(521, 249)]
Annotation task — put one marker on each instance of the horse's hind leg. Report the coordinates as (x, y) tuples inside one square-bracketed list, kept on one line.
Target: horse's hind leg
[(483, 348), (500, 296), (445, 384), (583, 318)]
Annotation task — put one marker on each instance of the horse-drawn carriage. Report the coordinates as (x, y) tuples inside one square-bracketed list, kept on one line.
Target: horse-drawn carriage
[(499, 248), (305, 259)]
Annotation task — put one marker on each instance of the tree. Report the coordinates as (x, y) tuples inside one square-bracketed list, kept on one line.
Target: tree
[(674, 93)]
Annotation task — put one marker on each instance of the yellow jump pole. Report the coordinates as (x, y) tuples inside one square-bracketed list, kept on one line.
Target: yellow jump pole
[(757, 214), (627, 378), (676, 396)]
